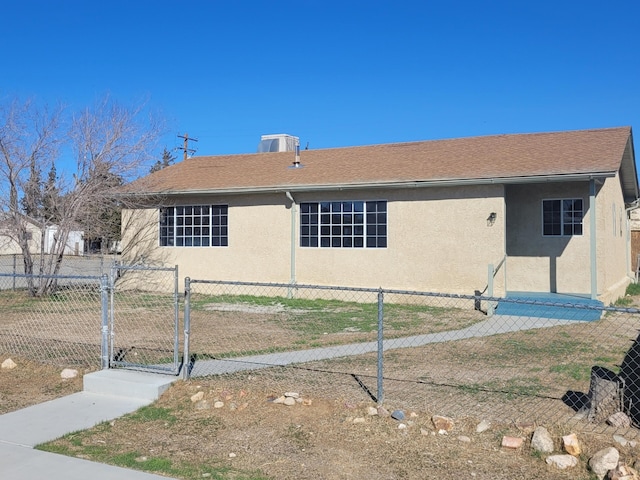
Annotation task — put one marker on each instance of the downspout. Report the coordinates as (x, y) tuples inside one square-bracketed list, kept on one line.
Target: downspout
[(592, 235), (292, 279)]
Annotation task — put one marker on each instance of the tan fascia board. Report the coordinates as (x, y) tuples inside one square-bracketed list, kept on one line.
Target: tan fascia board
[(384, 185)]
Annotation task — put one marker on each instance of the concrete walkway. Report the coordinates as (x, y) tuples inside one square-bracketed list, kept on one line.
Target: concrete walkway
[(491, 326), (108, 394)]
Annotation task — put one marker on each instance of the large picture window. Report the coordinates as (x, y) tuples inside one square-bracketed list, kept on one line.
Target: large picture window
[(356, 224), (194, 226), (562, 217)]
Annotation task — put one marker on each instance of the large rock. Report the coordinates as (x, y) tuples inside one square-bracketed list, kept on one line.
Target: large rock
[(571, 444), (623, 472), (512, 442), (196, 397), (562, 461), (9, 364), (541, 440), (442, 423), (69, 373), (603, 461)]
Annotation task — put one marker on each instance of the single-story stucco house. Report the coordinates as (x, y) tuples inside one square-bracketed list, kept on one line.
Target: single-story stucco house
[(550, 209)]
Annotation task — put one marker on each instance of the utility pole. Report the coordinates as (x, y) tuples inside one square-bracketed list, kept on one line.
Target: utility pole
[(186, 148)]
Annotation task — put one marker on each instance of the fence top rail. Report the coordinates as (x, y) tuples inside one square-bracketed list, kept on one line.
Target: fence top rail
[(282, 285), (145, 268), (38, 276), (577, 305)]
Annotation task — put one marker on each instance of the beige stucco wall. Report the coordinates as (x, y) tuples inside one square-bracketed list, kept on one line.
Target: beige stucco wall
[(259, 239), (613, 258), (439, 239)]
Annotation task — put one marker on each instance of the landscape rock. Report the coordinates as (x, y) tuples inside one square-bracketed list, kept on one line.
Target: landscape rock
[(542, 441), (359, 420), (69, 373), (620, 420), (292, 394), (279, 399), (512, 442), (562, 461), (8, 364), (603, 461), (623, 442), (197, 397), (289, 401), (483, 426), (372, 411), (397, 415), (383, 412), (464, 439), (218, 404), (526, 427), (571, 444), (442, 423), (623, 472)]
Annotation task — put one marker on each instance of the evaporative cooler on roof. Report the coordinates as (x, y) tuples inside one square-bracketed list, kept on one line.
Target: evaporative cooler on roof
[(278, 143)]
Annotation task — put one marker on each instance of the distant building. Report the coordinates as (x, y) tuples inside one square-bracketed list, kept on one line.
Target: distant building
[(35, 229)]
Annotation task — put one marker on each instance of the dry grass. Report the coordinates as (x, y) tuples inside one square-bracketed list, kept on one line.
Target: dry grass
[(251, 437)]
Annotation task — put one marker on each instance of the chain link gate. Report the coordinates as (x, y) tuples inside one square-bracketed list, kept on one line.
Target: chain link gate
[(144, 317)]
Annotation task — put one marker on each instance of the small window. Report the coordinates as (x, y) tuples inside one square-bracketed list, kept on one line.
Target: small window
[(351, 224), (562, 217), (194, 226)]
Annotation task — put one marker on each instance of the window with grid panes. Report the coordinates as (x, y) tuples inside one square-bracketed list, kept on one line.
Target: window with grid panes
[(351, 224), (194, 226), (562, 217)]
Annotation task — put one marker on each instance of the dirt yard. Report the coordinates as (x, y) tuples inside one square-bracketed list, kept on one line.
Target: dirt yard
[(249, 436)]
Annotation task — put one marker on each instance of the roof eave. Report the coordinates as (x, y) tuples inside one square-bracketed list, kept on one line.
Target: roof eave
[(455, 182)]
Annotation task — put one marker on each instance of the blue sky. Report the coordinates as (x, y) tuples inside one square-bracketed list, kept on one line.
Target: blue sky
[(334, 73)]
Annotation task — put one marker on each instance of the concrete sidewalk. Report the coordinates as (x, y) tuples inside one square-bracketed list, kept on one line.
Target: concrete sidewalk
[(108, 394)]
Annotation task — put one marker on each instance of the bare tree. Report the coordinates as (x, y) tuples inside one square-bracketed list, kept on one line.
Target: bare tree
[(111, 144)]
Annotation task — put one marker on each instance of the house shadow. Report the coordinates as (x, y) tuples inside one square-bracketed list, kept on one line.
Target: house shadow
[(609, 391)]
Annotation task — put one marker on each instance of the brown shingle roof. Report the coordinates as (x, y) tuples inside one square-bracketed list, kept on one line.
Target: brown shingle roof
[(471, 160)]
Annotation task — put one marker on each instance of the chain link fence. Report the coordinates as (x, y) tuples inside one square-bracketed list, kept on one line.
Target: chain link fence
[(126, 318), (498, 359), (62, 328), (73, 265), (144, 310)]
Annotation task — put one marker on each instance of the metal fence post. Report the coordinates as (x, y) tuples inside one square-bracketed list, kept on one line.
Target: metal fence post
[(380, 394), (176, 317), (104, 346), (186, 358), (490, 304)]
